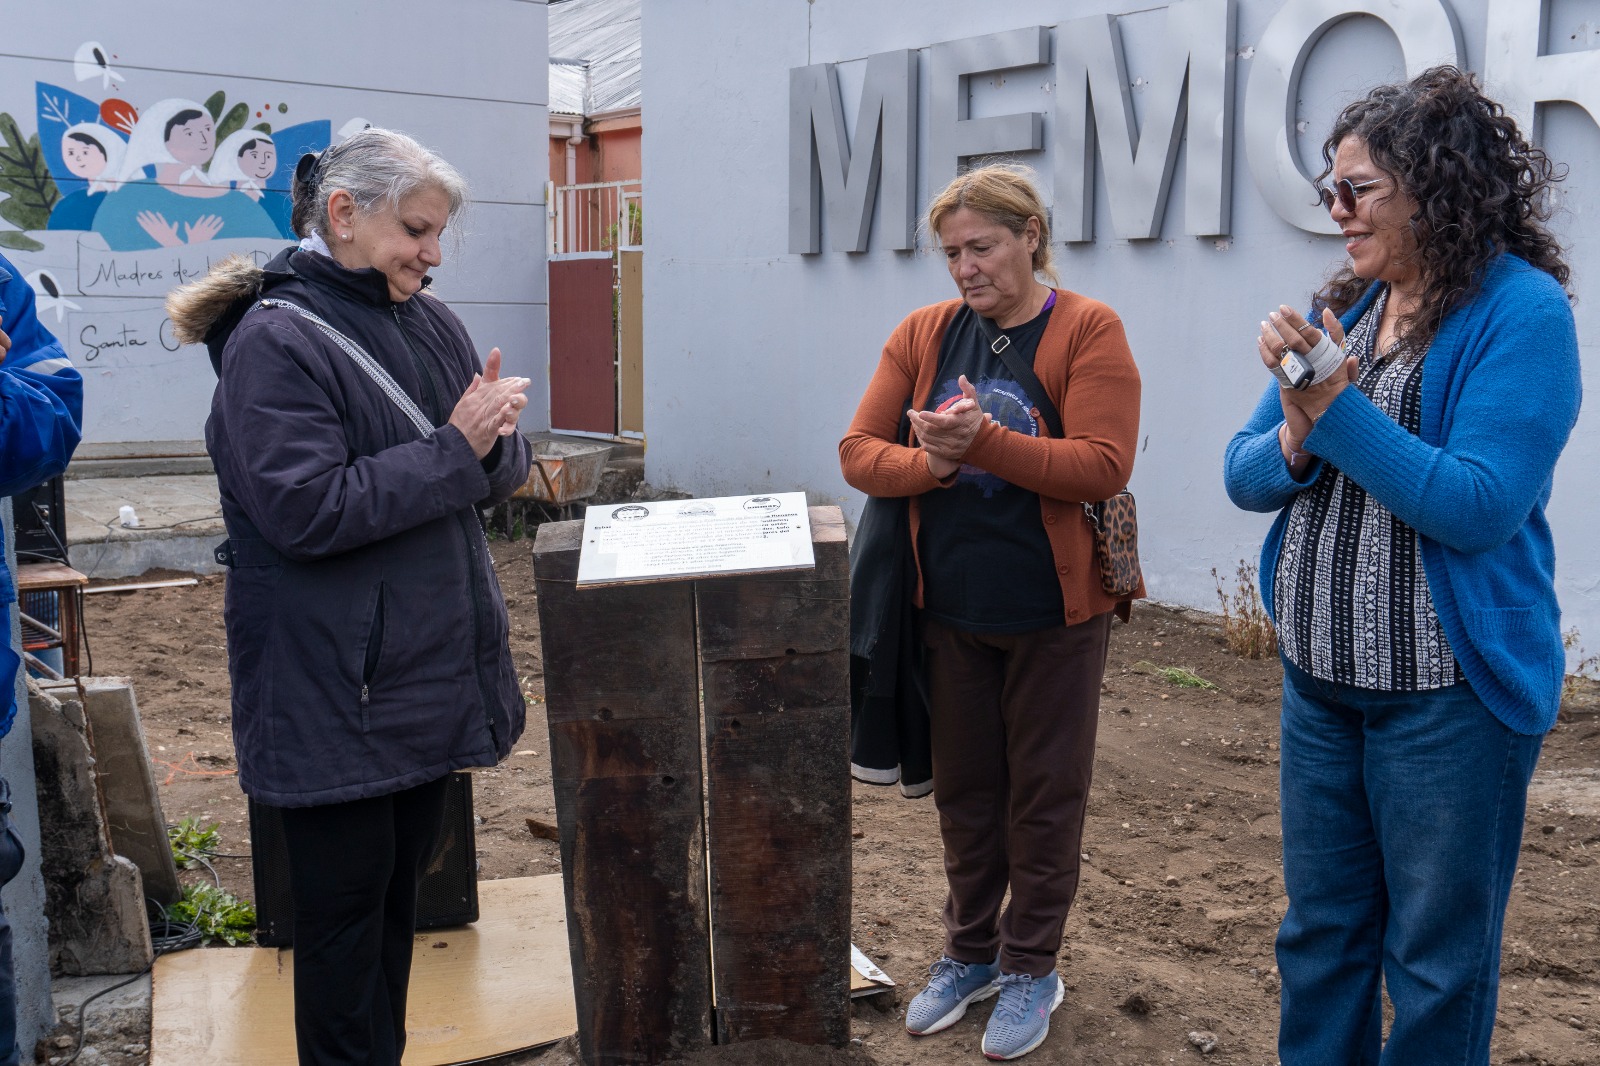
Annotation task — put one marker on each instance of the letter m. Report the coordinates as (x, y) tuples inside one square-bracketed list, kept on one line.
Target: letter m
[(826, 168), (1197, 53)]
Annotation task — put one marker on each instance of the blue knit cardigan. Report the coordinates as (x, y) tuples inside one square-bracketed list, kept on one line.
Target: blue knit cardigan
[(1500, 394)]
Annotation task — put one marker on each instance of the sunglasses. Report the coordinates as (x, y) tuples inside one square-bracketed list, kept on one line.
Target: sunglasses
[(1344, 192)]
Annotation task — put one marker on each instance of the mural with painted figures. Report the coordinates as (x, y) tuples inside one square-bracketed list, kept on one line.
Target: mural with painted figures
[(170, 173)]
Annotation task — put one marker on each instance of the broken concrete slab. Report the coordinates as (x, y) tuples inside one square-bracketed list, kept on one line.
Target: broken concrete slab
[(116, 1026), (127, 785), (94, 898)]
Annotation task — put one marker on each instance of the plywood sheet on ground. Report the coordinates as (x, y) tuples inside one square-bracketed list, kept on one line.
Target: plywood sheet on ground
[(498, 986)]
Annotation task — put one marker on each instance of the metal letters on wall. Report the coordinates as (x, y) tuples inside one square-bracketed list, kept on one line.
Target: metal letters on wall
[(1519, 76), (1428, 36), (1092, 90), (824, 167), (1090, 66), (952, 136)]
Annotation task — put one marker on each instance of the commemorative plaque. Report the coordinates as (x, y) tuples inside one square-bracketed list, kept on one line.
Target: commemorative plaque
[(670, 540)]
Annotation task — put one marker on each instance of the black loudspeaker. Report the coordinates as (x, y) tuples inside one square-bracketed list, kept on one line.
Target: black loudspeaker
[(39, 517), (447, 894)]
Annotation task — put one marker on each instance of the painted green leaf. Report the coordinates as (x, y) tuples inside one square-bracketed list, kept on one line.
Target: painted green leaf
[(18, 241), (232, 121), (25, 178), (264, 127), (214, 104)]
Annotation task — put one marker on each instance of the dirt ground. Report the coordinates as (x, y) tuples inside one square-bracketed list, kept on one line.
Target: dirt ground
[(1181, 892)]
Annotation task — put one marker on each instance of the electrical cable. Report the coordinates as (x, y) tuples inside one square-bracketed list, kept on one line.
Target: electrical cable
[(165, 937)]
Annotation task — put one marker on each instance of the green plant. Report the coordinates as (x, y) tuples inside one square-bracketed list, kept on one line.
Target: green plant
[(30, 191), (217, 913), (192, 843), (1181, 676), (1246, 628)]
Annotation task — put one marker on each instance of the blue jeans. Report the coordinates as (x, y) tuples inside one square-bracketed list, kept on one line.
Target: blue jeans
[(1402, 818)]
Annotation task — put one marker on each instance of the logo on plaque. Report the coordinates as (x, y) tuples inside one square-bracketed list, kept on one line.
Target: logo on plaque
[(630, 512), (762, 503)]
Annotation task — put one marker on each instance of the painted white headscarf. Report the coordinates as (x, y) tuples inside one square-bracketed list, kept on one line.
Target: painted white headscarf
[(225, 164), (147, 145), (112, 144)]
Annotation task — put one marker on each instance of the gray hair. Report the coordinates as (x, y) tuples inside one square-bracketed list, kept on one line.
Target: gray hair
[(379, 168)]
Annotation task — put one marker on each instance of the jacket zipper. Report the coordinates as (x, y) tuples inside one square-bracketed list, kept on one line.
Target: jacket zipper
[(425, 374), (374, 652)]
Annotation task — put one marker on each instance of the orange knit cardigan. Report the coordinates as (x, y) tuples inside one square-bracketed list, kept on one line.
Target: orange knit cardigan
[(1083, 347)]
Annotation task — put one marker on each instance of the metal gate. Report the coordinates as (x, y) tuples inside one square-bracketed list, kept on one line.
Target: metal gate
[(596, 305)]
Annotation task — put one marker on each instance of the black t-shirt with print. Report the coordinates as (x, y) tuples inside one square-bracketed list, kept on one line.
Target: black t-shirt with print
[(986, 562)]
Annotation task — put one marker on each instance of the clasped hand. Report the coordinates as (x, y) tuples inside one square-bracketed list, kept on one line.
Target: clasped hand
[(489, 408), (1285, 328), (946, 434)]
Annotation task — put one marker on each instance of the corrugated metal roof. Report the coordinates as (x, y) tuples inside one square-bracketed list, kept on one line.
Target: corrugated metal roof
[(603, 35), (568, 79)]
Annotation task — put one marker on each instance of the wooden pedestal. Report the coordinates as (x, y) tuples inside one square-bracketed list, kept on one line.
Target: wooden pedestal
[(678, 881)]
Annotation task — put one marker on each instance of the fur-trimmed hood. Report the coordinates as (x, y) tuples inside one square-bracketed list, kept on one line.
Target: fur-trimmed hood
[(206, 311)]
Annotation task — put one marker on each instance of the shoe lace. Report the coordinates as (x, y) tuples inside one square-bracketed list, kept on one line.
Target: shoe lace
[(943, 975), (1015, 991)]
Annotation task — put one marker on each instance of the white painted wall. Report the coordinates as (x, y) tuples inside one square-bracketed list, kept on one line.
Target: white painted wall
[(756, 358), (466, 78)]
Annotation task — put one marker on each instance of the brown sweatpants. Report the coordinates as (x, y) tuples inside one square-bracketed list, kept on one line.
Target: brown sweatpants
[(1013, 719)]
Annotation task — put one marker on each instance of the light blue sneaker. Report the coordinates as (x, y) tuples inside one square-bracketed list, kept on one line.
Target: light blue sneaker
[(1021, 1018), (951, 986)]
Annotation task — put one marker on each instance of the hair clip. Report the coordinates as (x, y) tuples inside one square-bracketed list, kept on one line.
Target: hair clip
[(306, 171)]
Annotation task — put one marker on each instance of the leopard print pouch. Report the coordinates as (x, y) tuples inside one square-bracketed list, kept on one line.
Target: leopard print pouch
[(1116, 543)]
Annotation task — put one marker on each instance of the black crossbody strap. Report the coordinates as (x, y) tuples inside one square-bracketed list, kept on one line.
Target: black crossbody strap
[(1000, 345)]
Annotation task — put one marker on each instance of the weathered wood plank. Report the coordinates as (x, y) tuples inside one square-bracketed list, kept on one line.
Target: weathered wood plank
[(775, 666), (622, 703)]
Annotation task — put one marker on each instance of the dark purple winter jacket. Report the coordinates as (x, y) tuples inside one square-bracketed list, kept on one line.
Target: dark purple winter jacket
[(367, 635)]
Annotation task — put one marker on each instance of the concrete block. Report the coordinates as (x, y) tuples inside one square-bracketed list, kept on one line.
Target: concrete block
[(116, 1026), (94, 899), (127, 785)]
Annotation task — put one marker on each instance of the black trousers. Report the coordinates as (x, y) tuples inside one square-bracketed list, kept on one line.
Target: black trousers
[(353, 871)]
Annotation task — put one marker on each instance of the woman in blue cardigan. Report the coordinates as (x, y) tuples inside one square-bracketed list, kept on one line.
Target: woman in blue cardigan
[(1411, 570)]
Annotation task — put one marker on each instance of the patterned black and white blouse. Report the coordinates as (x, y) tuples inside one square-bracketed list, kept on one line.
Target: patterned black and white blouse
[(1350, 595)]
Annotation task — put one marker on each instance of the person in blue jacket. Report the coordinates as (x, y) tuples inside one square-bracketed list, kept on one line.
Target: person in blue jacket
[(1410, 571), (41, 420)]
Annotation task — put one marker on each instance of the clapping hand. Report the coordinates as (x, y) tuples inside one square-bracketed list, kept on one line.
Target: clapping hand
[(1285, 330), (947, 433), (490, 407)]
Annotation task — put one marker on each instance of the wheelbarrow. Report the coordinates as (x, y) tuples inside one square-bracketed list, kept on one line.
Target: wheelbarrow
[(563, 472)]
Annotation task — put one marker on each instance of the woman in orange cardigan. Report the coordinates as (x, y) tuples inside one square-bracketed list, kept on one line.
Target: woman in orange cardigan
[(1015, 623)]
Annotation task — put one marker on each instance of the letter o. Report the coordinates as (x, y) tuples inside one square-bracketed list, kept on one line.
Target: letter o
[(1429, 35)]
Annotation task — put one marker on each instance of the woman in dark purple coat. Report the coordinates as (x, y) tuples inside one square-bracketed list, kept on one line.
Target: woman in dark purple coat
[(355, 437)]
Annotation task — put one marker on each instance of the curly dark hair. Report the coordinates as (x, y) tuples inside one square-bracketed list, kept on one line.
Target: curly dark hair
[(1480, 189)]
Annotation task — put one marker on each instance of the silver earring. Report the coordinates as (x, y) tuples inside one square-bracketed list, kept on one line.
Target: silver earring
[(344, 236)]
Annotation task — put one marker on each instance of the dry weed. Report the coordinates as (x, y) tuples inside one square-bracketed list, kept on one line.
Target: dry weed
[(1245, 625)]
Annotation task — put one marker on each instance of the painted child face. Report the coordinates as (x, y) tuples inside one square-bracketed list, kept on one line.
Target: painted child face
[(259, 160), (84, 160), (193, 142)]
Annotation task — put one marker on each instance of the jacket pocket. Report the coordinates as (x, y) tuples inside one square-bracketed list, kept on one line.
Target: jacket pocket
[(1522, 648), (373, 656)]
